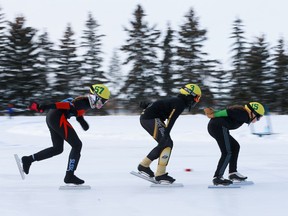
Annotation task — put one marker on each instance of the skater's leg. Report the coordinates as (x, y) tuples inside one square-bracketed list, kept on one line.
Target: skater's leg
[(221, 134), (155, 128), (56, 149), (74, 157)]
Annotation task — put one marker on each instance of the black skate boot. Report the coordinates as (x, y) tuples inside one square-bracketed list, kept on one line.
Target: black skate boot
[(70, 178), (221, 181), (146, 170), (235, 176), (165, 179), (26, 163)]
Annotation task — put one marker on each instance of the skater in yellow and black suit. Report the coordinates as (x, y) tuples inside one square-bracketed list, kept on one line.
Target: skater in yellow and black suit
[(152, 120), (60, 129), (218, 127)]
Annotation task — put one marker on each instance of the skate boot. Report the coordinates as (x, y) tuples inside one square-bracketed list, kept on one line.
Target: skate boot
[(235, 176), (146, 171), (221, 181), (26, 163), (70, 178), (165, 178)]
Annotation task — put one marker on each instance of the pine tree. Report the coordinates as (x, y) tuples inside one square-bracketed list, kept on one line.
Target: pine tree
[(23, 81), (189, 51), (279, 101), (239, 72), (115, 81), (46, 61), (193, 66), (221, 87), (141, 49), (168, 71), (92, 72), (114, 75), (4, 73), (260, 77), (68, 76)]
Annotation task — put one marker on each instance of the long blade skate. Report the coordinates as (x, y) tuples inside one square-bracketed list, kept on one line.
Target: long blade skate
[(245, 182), (144, 177), (74, 187), (219, 186), (19, 165)]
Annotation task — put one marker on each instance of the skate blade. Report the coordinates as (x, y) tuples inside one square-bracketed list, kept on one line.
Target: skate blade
[(160, 185), (243, 182), (224, 186), (74, 187)]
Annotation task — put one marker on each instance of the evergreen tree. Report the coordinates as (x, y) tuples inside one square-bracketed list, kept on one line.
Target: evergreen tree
[(68, 76), (115, 81), (114, 75), (23, 81), (4, 73), (141, 49), (92, 72), (239, 72), (191, 62), (46, 60), (279, 101), (260, 77), (168, 71), (221, 87), (189, 51)]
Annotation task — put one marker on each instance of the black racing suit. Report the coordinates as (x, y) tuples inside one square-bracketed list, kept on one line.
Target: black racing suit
[(60, 129), (218, 128), (153, 117)]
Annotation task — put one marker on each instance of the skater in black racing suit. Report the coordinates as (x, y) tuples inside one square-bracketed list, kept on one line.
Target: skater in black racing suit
[(153, 120), (60, 129), (218, 127)]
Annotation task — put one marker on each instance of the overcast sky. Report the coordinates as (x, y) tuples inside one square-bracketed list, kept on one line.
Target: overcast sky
[(215, 16)]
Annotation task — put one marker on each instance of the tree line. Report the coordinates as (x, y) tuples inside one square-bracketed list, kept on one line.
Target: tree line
[(32, 68)]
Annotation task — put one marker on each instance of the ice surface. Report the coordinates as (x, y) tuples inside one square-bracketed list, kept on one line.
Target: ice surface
[(114, 145)]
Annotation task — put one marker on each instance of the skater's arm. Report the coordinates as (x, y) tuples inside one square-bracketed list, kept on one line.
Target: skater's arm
[(57, 105), (211, 113)]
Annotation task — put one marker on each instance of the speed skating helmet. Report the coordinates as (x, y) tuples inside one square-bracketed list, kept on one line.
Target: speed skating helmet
[(99, 95), (256, 108), (191, 89)]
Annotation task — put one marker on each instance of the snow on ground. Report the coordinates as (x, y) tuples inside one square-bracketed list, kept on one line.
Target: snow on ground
[(114, 145)]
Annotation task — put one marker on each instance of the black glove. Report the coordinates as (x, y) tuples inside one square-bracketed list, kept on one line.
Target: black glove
[(144, 104), (83, 123)]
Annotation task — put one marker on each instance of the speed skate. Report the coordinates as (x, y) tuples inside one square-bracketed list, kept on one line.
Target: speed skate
[(224, 186), (74, 187), (155, 183), (19, 165), (242, 183)]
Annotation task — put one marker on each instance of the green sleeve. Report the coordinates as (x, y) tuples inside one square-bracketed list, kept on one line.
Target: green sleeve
[(220, 113)]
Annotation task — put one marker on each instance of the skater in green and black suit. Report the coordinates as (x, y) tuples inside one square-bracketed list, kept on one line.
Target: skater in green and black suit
[(218, 127), (152, 120), (60, 129)]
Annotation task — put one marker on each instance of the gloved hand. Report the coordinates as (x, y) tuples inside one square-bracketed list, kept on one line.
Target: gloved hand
[(34, 106), (83, 123), (144, 104), (209, 112)]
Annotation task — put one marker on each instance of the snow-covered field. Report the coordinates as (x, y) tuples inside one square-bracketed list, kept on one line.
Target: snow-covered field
[(114, 145)]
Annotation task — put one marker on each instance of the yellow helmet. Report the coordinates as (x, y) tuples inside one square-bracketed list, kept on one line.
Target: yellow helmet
[(101, 90), (255, 107), (191, 89)]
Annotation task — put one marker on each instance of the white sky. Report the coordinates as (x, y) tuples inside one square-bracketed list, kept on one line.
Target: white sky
[(215, 16)]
